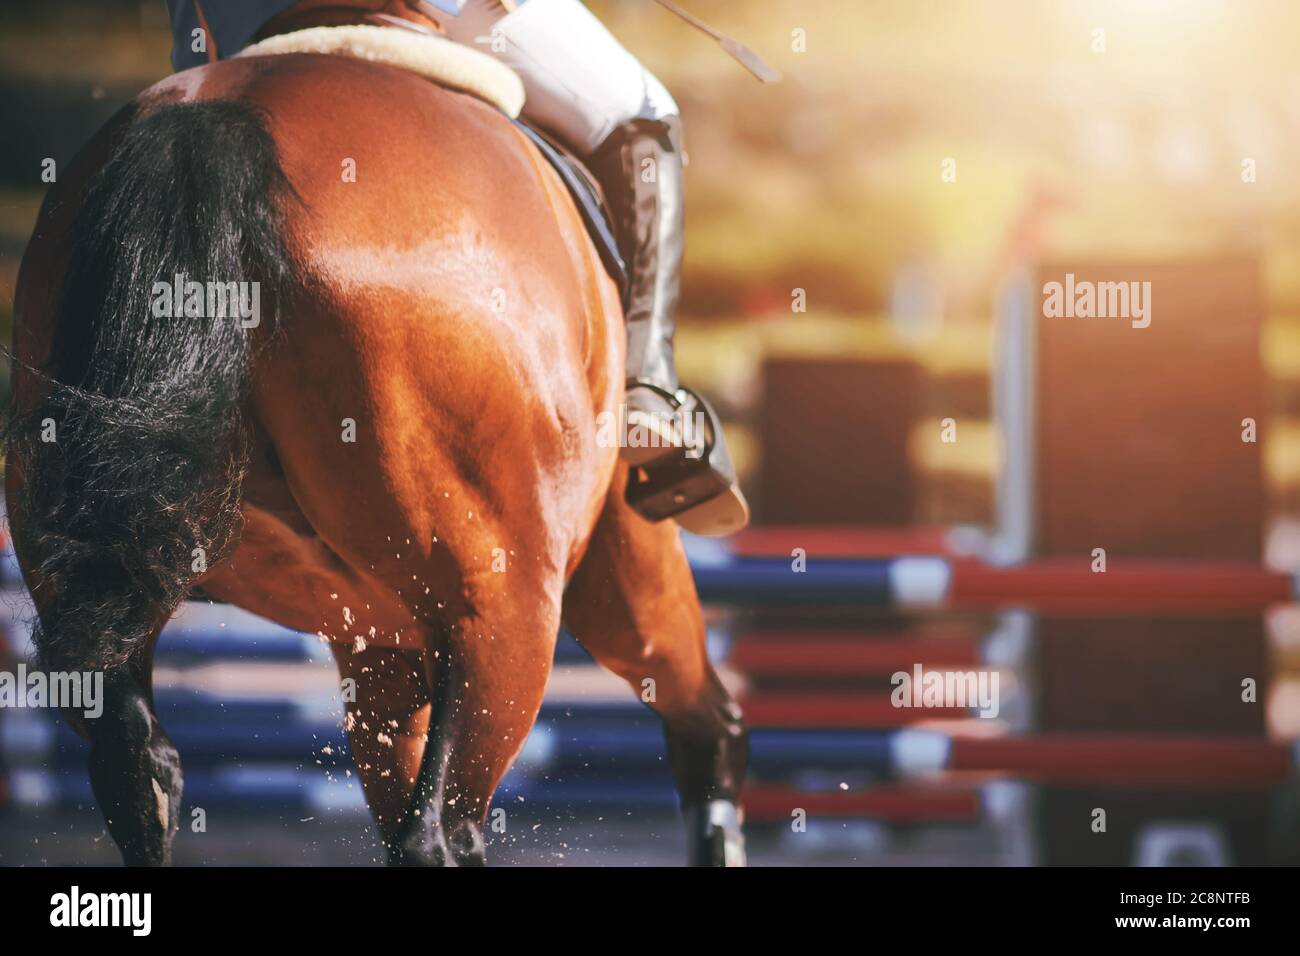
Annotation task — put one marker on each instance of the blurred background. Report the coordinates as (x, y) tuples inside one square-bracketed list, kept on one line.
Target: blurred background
[(852, 236), (831, 181)]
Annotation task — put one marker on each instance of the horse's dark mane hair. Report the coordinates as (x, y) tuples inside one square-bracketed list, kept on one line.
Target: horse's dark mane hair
[(150, 445)]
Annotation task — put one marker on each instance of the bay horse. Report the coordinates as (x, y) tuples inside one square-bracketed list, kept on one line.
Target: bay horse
[(401, 455)]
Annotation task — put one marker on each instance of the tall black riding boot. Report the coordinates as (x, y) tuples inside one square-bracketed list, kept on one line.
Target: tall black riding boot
[(671, 436)]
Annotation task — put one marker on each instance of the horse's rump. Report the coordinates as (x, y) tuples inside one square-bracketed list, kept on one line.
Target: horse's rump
[(454, 284), (442, 285)]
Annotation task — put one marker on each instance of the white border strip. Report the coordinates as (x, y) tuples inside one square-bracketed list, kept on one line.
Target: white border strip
[(920, 582), (916, 752)]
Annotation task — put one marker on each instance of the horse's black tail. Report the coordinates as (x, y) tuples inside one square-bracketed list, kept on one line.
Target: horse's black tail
[(131, 466)]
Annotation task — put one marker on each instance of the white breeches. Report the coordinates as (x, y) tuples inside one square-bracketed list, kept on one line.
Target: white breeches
[(579, 81)]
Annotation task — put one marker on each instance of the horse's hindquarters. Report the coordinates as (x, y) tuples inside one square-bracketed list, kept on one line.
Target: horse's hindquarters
[(406, 426), (441, 377), (429, 409)]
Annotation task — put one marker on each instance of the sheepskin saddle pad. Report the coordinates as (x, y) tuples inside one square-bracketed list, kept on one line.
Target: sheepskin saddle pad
[(444, 61)]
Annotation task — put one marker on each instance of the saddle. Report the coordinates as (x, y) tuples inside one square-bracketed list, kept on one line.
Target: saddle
[(407, 34)]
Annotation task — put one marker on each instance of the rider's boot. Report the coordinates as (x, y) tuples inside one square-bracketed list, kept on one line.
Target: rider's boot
[(672, 437)]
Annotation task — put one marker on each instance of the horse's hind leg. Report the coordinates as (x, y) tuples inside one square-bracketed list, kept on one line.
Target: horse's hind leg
[(632, 604), (387, 724), (135, 771), (487, 679)]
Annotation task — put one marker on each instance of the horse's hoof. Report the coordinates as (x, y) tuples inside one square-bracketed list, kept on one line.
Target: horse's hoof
[(417, 856), (420, 848), (467, 845), (714, 835)]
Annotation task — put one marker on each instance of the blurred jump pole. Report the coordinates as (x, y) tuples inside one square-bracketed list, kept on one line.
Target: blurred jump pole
[(739, 52)]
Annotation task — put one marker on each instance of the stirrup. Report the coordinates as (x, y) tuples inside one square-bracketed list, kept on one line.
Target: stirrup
[(697, 486), (662, 433)]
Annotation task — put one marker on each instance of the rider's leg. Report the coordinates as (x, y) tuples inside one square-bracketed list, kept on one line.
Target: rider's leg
[(586, 89), (639, 165)]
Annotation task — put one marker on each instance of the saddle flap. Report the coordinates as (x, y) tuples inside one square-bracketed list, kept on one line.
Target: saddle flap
[(590, 200)]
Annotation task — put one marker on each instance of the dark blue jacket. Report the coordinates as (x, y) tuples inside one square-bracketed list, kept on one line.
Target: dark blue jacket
[(232, 22)]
